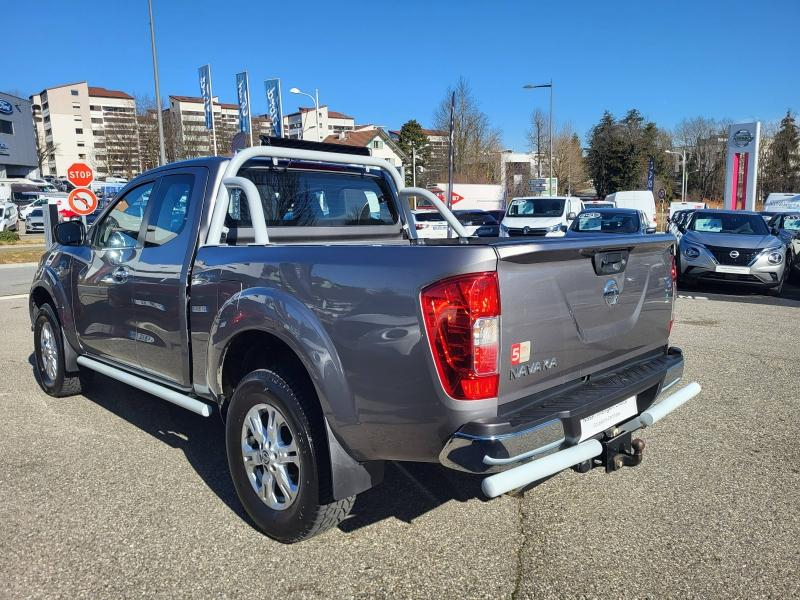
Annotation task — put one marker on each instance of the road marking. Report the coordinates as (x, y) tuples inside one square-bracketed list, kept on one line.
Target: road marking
[(14, 297), (690, 297)]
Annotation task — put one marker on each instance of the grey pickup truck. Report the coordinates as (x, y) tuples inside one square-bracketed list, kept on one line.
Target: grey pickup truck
[(285, 289)]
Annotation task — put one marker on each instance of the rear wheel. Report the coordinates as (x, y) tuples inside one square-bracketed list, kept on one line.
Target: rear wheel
[(49, 356), (275, 448)]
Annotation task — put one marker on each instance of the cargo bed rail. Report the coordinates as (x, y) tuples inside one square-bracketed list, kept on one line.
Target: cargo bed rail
[(231, 180)]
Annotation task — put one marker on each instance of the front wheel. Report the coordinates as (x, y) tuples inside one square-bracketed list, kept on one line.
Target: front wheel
[(275, 450), (48, 346)]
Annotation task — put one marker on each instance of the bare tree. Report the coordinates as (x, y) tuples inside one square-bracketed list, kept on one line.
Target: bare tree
[(147, 124), (568, 163), (704, 141), (476, 144), (539, 138), (45, 151)]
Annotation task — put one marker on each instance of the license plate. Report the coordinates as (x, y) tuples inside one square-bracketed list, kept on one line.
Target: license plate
[(607, 418), (729, 269), (439, 227)]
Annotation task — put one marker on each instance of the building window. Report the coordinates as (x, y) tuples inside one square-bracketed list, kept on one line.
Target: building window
[(76, 106), (79, 131), (94, 107), (97, 120), (74, 92), (377, 144), (6, 127), (78, 119), (82, 156), (81, 144)]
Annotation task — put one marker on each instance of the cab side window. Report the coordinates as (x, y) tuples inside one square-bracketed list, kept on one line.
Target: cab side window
[(168, 217), (120, 227)]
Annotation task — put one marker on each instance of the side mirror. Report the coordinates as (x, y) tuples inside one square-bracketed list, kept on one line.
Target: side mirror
[(571, 216), (650, 230), (70, 233)]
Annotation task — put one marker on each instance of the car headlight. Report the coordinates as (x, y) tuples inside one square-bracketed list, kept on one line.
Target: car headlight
[(556, 227), (775, 257), (691, 251)]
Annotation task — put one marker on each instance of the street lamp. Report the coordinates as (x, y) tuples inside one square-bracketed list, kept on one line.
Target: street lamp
[(684, 182), (315, 99), (530, 86), (414, 163)]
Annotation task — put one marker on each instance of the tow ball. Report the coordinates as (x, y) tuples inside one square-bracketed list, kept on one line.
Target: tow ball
[(621, 451)]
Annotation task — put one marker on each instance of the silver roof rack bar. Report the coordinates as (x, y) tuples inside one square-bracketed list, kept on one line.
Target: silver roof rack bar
[(230, 179)]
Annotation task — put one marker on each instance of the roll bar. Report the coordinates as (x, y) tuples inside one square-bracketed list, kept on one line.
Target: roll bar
[(231, 180)]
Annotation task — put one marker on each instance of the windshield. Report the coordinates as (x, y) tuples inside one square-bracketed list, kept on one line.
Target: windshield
[(791, 222), (36, 213), (744, 224), (606, 222), (536, 207)]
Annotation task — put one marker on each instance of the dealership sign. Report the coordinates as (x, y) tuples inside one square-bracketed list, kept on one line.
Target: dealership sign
[(274, 108), (6, 107)]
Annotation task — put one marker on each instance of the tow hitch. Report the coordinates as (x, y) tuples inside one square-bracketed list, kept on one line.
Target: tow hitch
[(621, 451)]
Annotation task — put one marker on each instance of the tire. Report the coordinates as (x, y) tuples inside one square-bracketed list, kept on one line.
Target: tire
[(288, 456), (48, 347)]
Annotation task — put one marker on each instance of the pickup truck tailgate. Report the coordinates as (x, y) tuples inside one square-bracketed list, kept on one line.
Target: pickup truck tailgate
[(571, 307)]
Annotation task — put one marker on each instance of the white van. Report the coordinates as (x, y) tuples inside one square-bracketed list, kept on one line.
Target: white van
[(676, 206), (642, 200), (782, 202), (8, 216), (548, 216)]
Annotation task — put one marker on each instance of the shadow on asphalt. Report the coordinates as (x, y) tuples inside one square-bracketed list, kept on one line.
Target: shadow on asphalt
[(790, 295), (408, 489)]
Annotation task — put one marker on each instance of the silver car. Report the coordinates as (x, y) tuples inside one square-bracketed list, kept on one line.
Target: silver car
[(729, 246)]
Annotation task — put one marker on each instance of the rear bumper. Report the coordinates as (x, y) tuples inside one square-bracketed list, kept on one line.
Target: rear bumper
[(551, 425)]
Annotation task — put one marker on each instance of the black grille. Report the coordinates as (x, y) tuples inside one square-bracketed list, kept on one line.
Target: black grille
[(516, 232), (732, 277), (723, 255)]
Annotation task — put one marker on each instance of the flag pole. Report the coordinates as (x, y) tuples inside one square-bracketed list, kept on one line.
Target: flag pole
[(451, 159)]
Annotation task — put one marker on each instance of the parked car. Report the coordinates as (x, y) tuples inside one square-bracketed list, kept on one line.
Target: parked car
[(361, 343), (8, 216), (590, 204), (498, 215), (35, 222), (431, 224), (787, 226), (679, 206), (731, 246), (540, 216), (28, 208), (605, 221), (639, 199)]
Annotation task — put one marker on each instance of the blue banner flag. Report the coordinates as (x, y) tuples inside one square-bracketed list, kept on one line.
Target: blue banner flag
[(243, 96), (274, 108), (205, 93), (651, 173)]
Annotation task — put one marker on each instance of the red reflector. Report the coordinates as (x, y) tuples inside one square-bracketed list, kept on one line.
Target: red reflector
[(461, 321), (419, 226)]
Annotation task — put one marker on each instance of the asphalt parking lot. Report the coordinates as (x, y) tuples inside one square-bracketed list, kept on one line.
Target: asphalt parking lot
[(116, 493)]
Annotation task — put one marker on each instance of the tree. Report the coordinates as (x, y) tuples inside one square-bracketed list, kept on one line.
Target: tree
[(704, 141), (413, 140), (147, 123), (44, 152), (568, 162), (539, 138), (476, 144), (782, 165), (620, 152)]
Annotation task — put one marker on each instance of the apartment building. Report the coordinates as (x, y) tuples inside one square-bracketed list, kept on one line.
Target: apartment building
[(302, 125), (79, 122)]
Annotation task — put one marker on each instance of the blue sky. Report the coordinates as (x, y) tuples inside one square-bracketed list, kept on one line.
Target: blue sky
[(386, 62)]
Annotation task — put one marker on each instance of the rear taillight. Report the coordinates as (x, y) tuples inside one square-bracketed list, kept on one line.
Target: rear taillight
[(420, 226), (462, 321)]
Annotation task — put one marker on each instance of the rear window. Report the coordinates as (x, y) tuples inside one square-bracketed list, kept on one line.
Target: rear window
[(428, 216), (315, 199), (475, 218), (606, 222)]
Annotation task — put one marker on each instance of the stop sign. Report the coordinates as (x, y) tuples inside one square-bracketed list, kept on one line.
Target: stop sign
[(80, 174)]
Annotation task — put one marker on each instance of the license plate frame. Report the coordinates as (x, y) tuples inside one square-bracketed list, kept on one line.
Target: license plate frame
[(733, 270), (608, 417)]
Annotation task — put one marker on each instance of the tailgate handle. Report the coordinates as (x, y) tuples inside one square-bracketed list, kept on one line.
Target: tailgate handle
[(610, 263)]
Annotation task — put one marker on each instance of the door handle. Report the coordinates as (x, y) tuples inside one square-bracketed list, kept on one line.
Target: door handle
[(120, 275)]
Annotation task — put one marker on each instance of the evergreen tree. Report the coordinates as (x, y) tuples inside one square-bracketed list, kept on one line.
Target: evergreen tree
[(782, 168), (412, 135)]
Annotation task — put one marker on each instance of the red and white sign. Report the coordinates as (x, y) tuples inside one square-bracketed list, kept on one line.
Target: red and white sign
[(80, 174), (82, 201), (456, 197)]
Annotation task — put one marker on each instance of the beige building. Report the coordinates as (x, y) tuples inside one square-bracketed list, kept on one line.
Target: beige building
[(374, 138), (302, 125), (78, 122)]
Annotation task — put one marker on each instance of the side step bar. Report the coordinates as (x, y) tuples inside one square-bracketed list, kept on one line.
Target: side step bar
[(527, 473), (187, 402)]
